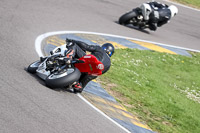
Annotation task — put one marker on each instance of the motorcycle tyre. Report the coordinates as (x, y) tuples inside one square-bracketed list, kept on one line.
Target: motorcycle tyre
[(124, 19), (32, 69), (63, 81)]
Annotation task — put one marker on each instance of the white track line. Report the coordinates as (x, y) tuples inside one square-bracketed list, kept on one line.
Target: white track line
[(182, 5), (103, 113)]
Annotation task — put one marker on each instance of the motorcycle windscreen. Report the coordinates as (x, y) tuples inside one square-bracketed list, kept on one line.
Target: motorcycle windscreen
[(91, 65)]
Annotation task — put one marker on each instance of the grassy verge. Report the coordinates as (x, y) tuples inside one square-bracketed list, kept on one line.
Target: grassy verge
[(163, 89), (192, 3)]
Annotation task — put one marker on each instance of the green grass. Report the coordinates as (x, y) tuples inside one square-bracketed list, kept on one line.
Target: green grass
[(193, 3), (163, 89)]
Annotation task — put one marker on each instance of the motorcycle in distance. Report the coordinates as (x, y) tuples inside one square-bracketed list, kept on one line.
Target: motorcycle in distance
[(137, 17), (58, 71)]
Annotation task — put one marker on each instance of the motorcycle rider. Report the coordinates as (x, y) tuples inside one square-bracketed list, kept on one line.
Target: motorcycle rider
[(158, 14), (102, 53)]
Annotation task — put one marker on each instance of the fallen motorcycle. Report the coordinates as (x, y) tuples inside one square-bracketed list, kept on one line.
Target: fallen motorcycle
[(59, 71)]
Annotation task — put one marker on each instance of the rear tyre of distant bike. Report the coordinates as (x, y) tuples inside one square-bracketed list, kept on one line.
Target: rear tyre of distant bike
[(125, 19)]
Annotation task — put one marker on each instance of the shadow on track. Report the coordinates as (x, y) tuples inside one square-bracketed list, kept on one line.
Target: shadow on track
[(134, 27), (42, 82)]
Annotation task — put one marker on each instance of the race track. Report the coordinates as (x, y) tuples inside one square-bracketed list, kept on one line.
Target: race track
[(26, 105)]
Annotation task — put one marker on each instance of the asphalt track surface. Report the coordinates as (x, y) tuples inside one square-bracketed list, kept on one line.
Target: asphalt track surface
[(26, 105)]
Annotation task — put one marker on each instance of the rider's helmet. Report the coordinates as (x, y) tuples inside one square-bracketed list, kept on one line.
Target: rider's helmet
[(174, 10), (109, 48)]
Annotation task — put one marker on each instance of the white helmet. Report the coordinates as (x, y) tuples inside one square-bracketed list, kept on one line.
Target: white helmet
[(174, 10)]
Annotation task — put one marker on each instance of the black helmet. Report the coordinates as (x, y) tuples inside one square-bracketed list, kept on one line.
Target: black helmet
[(109, 48)]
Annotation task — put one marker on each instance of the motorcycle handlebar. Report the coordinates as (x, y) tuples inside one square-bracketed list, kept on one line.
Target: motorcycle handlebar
[(77, 61)]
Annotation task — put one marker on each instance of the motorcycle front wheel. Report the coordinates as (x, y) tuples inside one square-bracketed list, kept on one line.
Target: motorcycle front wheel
[(63, 78), (33, 67), (125, 19)]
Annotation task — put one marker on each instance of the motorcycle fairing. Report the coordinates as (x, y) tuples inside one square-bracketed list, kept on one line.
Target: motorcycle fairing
[(91, 65)]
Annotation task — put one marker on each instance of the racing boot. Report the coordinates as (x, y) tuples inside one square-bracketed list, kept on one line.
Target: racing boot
[(77, 88)]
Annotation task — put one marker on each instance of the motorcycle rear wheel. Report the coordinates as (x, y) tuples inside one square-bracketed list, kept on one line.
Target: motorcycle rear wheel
[(125, 19), (63, 79)]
